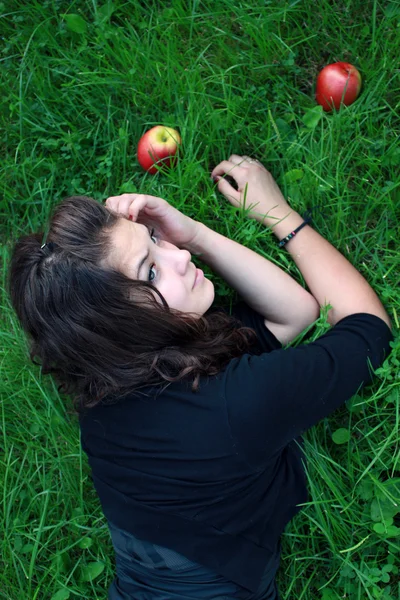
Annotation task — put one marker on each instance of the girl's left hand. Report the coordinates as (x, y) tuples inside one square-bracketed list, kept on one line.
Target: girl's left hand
[(172, 225)]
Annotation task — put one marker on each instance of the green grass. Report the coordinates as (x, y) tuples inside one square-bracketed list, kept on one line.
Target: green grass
[(232, 77)]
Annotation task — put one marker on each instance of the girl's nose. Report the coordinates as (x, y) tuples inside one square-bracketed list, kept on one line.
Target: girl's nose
[(183, 258), (180, 259)]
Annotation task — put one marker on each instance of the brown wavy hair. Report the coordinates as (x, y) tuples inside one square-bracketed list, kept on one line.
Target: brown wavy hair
[(99, 333)]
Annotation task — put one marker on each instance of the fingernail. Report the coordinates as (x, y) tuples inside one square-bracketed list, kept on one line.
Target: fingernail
[(216, 178)]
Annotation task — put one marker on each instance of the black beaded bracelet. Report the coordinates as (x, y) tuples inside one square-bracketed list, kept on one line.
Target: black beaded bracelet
[(307, 219)]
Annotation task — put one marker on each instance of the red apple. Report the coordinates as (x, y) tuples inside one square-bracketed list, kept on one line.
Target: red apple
[(157, 146), (337, 81)]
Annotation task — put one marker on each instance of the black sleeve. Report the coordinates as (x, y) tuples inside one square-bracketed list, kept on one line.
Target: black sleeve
[(274, 397)]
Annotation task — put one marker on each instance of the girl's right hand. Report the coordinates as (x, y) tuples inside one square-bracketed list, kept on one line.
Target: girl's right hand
[(170, 223), (257, 188)]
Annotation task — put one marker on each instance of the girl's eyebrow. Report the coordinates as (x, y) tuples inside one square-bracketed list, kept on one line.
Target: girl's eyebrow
[(144, 258)]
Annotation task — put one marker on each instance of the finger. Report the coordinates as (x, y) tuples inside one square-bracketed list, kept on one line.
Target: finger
[(229, 192), (249, 160), (154, 202), (135, 207), (126, 201), (225, 168), (120, 203), (254, 161), (239, 160), (123, 203), (112, 202)]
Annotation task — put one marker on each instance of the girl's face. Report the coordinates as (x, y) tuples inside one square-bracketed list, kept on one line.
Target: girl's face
[(140, 255)]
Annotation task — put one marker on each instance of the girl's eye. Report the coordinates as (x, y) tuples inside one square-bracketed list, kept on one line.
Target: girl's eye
[(151, 270), (153, 236)]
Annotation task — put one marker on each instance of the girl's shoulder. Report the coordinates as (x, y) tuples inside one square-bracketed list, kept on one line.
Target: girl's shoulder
[(248, 317)]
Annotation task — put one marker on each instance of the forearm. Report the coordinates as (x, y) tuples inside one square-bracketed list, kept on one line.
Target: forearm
[(264, 286), (330, 277)]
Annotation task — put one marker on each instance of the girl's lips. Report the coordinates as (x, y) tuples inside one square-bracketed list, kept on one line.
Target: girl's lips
[(199, 277)]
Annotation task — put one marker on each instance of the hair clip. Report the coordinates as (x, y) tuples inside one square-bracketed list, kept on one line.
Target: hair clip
[(49, 246)]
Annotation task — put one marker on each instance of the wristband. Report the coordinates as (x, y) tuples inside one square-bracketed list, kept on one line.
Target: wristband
[(307, 219)]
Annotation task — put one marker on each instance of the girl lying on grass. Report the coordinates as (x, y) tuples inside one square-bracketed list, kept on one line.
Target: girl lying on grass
[(191, 417)]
